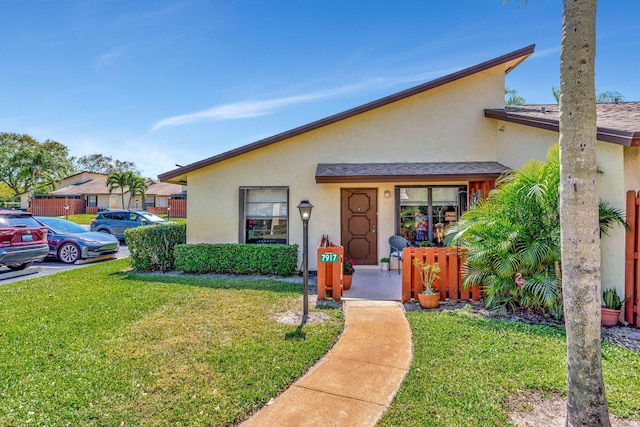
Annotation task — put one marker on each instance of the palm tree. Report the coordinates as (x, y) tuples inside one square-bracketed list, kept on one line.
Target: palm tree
[(581, 284), (137, 186), (515, 232), (120, 180)]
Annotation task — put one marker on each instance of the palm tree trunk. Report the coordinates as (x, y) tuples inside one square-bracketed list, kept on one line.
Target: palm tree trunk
[(580, 242)]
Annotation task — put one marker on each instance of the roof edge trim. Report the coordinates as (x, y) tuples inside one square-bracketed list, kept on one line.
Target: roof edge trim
[(521, 54)]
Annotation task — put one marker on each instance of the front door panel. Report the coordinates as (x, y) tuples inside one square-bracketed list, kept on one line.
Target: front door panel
[(359, 224)]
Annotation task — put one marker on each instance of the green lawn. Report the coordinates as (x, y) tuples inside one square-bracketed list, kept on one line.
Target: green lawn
[(99, 346), (465, 369)]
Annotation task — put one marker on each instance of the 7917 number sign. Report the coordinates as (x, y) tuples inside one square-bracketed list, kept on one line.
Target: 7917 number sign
[(329, 257)]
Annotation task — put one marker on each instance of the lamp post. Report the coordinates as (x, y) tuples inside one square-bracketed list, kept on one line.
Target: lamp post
[(305, 213), (66, 212), (168, 212)]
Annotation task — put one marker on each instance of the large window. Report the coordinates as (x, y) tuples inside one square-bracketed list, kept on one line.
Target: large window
[(423, 212), (149, 201), (92, 200), (263, 214)]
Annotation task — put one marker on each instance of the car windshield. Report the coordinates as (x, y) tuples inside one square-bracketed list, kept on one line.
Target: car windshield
[(151, 217), (61, 226), (18, 221)]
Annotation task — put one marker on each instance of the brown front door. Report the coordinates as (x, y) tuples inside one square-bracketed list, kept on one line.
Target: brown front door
[(359, 213)]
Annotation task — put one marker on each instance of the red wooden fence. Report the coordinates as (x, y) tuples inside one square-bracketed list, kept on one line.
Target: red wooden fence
[(178, 208), (632, 262), (329, 273), (450, 276), (55, 206)]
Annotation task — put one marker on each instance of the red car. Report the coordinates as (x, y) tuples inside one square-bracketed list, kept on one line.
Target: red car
[(22, 240)]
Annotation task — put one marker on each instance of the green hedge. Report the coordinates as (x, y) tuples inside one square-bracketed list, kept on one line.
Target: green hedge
[(151, 247), (228, 258)]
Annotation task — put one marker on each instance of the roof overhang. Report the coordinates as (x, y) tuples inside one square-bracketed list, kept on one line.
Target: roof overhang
[(509, 61), (615, 136), (332, 173)]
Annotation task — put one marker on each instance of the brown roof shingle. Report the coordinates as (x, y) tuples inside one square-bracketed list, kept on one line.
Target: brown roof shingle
[(410, 172), (617, 123)]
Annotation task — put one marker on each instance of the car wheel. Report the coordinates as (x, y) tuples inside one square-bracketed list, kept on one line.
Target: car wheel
[(19, 266), (68, 253)]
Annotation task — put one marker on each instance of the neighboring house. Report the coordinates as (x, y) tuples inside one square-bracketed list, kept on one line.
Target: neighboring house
[(399, 165), (87, 192)]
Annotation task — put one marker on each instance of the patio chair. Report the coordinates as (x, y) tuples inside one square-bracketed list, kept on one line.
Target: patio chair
[(396, 245)]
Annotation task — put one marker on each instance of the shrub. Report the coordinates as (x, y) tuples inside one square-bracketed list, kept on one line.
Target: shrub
[(513, 239), (151, 247), (231, 258)]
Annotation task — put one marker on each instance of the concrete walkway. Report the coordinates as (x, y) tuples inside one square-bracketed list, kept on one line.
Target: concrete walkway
[(355, 382)]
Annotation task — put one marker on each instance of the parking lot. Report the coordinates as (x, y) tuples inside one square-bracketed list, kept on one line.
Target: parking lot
[(50, 267)]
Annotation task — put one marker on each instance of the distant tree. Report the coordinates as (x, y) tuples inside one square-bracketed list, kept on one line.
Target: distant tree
[(48, 161), (608, 96), (512, 97), (99, 163), (24, 162), (128, 181), (137, 186)]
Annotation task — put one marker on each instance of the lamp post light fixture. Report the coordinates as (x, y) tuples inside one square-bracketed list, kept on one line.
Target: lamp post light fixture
[(66, 212), (305, 214), (168, 212)]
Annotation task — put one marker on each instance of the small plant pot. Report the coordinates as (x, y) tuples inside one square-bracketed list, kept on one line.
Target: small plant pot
[(429, 300), (610, 317), (346, 282), (384, 266)]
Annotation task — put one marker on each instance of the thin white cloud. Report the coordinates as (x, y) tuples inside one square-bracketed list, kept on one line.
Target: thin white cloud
[(256, 108), (546, 52), (108, 58)]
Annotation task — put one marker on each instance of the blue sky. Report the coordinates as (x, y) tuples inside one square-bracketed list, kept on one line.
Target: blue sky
[(173, 82)]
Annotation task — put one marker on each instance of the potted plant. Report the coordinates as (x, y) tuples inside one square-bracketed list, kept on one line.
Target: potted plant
[(429, 297), (611, 307), (347, 272), (384, 264)]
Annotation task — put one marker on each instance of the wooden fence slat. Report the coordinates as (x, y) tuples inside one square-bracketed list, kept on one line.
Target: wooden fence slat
[(630, 259), (453, 276), (407, 258), (444, 273)]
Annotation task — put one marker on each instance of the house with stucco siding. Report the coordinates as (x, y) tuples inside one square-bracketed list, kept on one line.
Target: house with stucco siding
[(420, 158)]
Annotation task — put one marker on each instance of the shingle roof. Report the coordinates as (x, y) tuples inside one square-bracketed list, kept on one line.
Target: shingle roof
[(380, 172), (99, 186), (617, 123), (95, 186), (509, 61)]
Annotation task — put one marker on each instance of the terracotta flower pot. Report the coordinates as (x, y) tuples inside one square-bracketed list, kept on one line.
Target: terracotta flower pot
[(429, 300), (610, 317), (346, 282)]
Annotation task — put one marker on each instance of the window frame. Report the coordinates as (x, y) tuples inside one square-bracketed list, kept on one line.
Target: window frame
[(242, 217)]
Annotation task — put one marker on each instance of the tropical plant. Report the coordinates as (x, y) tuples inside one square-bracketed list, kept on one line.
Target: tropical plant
[(513, 97), (611, 300), (428, 275), (516, 232), (137, 186), (347, 266), (127, 180)]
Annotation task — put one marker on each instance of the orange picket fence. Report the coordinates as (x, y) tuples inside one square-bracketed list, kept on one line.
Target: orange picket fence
[(632, 261), (450, 260), (330, 258)]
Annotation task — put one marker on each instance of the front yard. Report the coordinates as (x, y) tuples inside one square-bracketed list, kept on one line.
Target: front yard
[(468, 370), (98, 346)]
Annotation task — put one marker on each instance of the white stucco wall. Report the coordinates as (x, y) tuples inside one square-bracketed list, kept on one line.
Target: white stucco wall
[(444, 124), (516, 144)]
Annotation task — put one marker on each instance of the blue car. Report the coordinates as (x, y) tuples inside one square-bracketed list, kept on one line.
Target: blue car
[(70, 242)]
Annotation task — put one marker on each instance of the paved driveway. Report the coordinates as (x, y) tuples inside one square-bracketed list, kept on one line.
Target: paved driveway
[(50, 267)]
